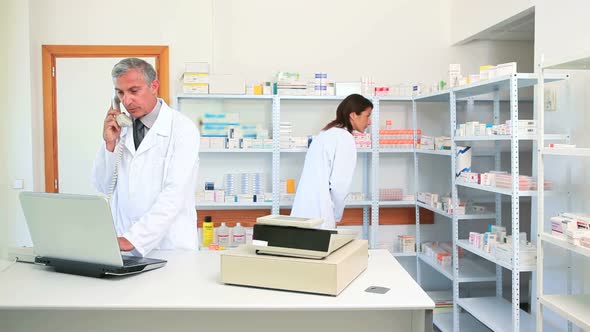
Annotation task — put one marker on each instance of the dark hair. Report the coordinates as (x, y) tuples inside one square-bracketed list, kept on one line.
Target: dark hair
[(125, 65), (353, 103)]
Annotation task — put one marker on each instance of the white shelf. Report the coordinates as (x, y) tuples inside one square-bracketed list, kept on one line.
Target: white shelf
[(390, 150), (404, 254), (233, 206), (481, 216), (433, 209), (465, 245), (460, 216), (496, 313), (565, 244), (469, 270), (297, 150), (579, 152), (436, 152), (393, 99), (467, 323), (501, 83), (439, 96), (503, 191), (358, 204), (575, 308), (207, 96), (396, 203), (236, 151), (312, 98), (304, 150), (492, 138), (355, 204), (549, 137)]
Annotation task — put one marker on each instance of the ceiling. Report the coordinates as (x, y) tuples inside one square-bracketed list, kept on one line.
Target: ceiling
[(520, 27)]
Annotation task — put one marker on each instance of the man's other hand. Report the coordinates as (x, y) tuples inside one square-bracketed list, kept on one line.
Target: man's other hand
[(125, 245)]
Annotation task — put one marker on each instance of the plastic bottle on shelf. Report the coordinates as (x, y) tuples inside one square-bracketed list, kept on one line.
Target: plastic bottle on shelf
[(208, 231), (238, 235), (223, 236)]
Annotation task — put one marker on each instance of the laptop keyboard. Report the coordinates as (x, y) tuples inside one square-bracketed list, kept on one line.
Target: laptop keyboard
[(133, 260)]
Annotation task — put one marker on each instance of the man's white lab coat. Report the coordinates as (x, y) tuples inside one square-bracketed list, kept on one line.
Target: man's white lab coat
[(153, 203)]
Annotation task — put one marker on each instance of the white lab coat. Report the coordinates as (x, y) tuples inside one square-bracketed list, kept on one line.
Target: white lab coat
[(153, 204), (326, 177)]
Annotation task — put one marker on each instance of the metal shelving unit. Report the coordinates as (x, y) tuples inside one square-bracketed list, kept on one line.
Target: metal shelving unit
[(459, 216), (492, 311), (442, 96), (508, 138), (554, 240), (370, 207), (574, 152), (304, 150), (488, 309), (444, 322), (573, 307), (375, 165), (396, 203), (507, 265), (471, 271), (435, 152), (491, 189)]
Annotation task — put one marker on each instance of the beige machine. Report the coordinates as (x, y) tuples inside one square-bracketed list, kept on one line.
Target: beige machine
[(330, 275), (304, 259)]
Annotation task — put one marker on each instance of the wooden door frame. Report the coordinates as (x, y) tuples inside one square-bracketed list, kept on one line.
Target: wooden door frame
[(50, 53)]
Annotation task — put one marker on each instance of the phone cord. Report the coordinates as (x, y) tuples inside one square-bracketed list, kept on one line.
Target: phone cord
[(119, 152)]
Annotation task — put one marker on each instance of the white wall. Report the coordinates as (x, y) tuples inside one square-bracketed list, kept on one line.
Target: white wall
[(470, 17), (15, 127), (392, 41), (561, 30)]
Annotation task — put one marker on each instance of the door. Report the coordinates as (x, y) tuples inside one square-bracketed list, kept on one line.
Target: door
[(77, 89), (84, 89)]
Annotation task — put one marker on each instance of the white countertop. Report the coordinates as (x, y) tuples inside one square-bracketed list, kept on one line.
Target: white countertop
[(190, 281)]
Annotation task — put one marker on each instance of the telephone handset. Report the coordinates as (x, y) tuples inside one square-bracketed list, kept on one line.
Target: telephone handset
[(122, 119)]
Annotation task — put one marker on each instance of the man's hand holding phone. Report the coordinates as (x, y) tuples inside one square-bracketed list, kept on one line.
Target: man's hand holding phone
[(113, 122)]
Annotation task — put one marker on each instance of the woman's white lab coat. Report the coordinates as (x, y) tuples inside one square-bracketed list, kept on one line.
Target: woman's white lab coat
[(326, 177), (153, 203)]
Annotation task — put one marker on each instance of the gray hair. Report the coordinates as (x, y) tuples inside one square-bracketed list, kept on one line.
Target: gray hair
[(149, 74)]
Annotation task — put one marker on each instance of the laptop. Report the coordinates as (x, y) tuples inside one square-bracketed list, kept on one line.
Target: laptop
[(76, 234)]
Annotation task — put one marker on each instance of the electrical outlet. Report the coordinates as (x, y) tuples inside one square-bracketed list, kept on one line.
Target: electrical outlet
[(18, 184), (550, 99)]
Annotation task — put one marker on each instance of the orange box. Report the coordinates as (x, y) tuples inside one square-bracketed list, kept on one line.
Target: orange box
[(290, 186)]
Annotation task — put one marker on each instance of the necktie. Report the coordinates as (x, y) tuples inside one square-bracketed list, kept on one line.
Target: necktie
[(138, 132)]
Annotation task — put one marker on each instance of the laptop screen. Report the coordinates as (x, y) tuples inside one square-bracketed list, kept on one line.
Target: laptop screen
[(72, 227)]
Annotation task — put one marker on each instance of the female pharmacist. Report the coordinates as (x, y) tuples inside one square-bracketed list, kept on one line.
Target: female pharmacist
[(330, 162)]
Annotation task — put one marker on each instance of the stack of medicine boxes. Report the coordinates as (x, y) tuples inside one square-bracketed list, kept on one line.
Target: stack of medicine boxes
[(196, 78)]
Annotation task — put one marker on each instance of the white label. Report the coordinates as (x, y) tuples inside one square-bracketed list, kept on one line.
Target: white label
[(223, 240), (239, 239)]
